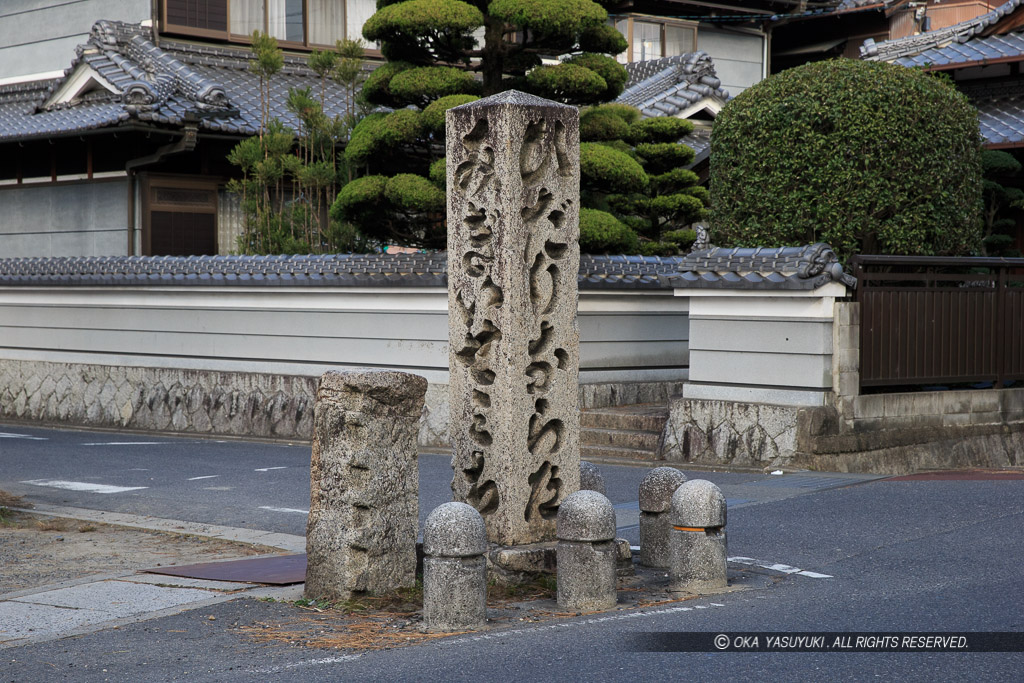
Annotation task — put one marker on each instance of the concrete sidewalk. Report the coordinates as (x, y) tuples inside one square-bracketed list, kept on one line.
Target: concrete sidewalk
[(99, 602)]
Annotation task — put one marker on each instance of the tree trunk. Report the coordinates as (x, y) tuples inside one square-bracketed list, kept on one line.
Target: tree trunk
[(493, 55)]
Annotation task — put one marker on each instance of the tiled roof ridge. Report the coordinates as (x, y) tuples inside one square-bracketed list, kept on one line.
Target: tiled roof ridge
[(911, 45), (229, 57), (205, 92), (421, 270), (28, 91), (673, 83), (806, 267)]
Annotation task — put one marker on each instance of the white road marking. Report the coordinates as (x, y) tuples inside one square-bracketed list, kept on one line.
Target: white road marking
[(126, 443), (267, 469), (82, 486), (775, 567), (208, 476), (8, 435), (303, 512)]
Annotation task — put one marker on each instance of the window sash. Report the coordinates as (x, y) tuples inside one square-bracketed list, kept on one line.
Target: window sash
[(295, 23)]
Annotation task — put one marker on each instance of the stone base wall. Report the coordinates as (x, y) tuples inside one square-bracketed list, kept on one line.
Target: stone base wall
[(220, 403), (881, 433), (157, 399), (729, 433)]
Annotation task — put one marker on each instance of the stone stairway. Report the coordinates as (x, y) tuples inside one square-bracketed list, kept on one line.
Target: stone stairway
[(631, 432)]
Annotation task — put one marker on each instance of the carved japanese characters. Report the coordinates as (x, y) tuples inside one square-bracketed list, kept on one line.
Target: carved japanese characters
[(513, 259)]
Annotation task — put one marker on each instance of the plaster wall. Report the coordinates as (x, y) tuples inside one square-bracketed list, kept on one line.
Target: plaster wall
[(246, 360), (36, 219), (40, 36), (738, 57)]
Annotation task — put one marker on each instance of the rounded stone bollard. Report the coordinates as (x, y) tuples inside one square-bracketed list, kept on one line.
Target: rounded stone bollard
[(454, 569), (586, 552), (591, 478), (656, 491), (697, 543)]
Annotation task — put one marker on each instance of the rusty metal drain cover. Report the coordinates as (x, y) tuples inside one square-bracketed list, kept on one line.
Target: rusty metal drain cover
[(279, 570)]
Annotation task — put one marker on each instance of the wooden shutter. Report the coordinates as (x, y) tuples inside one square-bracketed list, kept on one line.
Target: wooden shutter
[(204, 15), (180, 216)]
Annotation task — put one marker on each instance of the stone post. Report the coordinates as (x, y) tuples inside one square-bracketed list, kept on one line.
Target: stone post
[(591, 478), (513, 260), (586, 552), (656, 491), (363, 511), (454, 569), (697, 543)]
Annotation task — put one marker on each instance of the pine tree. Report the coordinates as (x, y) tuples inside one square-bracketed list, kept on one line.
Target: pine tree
[(557, 49)]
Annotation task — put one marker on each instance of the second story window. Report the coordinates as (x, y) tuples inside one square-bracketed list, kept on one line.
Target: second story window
[(295, 23), (654, 38)]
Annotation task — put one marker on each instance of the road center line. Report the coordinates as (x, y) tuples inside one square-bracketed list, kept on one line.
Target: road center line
[(267, 469), (82, 486), (272, 509), (775, 567), (126, 443), (8, 435), (208, 476)]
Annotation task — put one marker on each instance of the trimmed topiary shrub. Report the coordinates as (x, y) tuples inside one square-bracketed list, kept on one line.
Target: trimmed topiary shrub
[(869, 157), (603, 233), (605, 168), (433, 116)]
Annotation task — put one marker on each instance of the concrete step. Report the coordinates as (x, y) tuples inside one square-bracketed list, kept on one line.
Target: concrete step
[(646, 417), (622, 438), (599, 453)]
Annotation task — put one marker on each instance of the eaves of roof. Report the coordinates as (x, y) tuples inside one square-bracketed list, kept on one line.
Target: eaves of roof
[(157, 86), (912, 46)]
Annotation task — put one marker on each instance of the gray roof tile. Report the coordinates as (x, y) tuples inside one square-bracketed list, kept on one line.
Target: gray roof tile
[(654, 83), (941, 43), (807, 267), (157, 84), (337, 270)]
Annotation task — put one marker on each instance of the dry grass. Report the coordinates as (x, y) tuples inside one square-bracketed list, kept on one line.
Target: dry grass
[(9, 500), (344, 631), (52, 524)]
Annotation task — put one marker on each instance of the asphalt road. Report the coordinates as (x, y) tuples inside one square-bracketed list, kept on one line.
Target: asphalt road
[(902, 556), (264, 486)]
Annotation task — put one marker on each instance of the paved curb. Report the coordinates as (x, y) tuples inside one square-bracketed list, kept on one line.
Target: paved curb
[(289, 542), (57, 610)]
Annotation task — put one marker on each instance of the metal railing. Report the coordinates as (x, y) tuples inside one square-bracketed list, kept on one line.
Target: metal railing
[(940, 320)]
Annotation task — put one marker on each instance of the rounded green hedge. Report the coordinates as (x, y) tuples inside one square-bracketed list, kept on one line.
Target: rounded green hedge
[(433, 116), (607, 169), (869, 157), (423, 84), (603, 233)]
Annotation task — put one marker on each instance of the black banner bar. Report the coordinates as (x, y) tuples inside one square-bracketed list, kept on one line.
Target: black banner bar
[(821, 641)]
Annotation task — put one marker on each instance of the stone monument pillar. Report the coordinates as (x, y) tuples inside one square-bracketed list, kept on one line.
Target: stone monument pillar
[(513, 259), (364, 486)]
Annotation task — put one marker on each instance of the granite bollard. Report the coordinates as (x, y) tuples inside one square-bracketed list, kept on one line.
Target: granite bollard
[(697, 543), (656, 491), (364, 486), (591, 478), (586, 552), (454, 569)]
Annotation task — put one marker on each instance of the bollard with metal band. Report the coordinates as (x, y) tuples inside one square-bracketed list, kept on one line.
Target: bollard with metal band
[(697, 542), (591, 478), (586, 552), (454, 569), (655, 512)]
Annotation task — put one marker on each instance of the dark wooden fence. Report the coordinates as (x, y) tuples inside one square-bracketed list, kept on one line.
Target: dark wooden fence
[(940, 320)]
